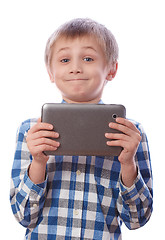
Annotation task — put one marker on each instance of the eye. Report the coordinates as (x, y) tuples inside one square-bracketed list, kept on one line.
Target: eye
[(65, 60), (88, 59)]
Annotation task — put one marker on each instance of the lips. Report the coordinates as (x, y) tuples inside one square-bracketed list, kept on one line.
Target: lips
[(77, 79)]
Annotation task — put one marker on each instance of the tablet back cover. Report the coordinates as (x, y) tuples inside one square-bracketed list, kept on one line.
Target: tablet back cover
[(82, 127)]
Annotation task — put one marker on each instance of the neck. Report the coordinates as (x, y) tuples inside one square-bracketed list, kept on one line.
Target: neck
[(99, 101), (83, 102)]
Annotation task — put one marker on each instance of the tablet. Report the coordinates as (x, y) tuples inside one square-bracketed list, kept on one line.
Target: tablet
[(82, 127)]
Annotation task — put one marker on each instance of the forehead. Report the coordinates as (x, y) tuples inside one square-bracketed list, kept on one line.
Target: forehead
[(83, 43)]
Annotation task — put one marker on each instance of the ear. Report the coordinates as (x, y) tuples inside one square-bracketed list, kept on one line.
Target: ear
[(50, 74), (112, 71)]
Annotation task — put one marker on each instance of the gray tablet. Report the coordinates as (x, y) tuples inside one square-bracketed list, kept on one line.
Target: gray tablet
[(82, 127)]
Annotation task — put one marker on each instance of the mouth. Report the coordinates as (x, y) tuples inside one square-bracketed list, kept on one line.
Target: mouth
[(76, 79)]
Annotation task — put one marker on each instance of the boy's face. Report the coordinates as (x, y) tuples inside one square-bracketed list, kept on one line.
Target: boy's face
[(79, 69)]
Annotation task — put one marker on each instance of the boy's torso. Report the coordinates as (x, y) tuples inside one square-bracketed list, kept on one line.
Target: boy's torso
[(82, 191), (81, 198)]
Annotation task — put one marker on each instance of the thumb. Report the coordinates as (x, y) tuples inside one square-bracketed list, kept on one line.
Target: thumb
[(39, 120)]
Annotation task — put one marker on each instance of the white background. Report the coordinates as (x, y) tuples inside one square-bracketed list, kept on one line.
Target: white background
[(139, 85)]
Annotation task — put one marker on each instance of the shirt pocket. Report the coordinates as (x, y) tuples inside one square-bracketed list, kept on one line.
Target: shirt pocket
[(107, 171)]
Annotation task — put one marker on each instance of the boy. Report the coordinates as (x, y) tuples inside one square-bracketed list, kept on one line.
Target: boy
[(81, 197)]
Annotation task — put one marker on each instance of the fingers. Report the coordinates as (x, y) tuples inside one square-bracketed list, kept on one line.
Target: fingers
[(41, 145), (128, 138), (117, 139), (43, 134), (45, 142), (41, 126), (116, 136), (40, 138), (124, 126), (42, 130)]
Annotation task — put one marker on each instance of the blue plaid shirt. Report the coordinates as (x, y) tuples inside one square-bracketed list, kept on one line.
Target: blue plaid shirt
[(82, 197)]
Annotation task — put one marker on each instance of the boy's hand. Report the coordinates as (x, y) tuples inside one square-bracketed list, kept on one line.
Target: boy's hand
[(129, 140), (38, 141)]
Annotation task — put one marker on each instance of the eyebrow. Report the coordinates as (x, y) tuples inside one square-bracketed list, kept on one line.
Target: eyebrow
[(62, 49), (90, 47), (85, 47)]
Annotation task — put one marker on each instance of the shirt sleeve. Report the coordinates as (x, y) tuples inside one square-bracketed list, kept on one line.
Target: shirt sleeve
[(27, 199), (135, 204)]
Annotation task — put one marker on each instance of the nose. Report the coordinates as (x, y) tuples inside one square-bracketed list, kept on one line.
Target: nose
[(75, 67)]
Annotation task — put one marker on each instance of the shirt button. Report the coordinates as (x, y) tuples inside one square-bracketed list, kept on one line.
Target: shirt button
[(78, 172), (76, 212), (34, 205)]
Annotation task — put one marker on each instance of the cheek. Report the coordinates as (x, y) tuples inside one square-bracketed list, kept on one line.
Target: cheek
[(58, 74), (98, 75), (94, 72)]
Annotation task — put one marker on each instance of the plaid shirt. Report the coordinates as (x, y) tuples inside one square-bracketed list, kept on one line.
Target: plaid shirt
[(82, 197)]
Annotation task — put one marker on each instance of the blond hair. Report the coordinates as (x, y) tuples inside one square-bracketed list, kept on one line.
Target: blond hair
[(80, 27)]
